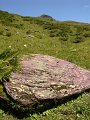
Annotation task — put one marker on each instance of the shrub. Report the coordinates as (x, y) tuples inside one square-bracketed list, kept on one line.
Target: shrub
[(54, 33), (65, 38), (8, 34), (38, 21), (17, 25), (86, 34), (1, 32), (27, 18), (78, 39), (50, 26), (28, 32), (8, 63)]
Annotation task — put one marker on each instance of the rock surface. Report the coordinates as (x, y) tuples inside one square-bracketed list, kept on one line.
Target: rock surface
[(46, 78)]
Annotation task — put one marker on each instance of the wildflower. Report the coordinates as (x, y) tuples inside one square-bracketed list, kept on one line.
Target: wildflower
[(9, 46), (25, 45), (17, 33)]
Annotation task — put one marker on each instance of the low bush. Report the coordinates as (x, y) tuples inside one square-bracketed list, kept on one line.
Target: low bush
[(65, 38), (8, 63), (29, 32), (78, 39), (1, 32), (38, 36), (20, 26), (86, 34), (54, 33), (8, 34)]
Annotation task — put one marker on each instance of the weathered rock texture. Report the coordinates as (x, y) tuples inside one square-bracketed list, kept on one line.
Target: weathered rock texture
[(46, 78)]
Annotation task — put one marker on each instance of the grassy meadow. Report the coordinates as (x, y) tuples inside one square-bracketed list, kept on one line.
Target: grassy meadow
[(42, 35)]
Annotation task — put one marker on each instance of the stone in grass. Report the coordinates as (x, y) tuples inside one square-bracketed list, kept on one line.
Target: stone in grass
[(45, 78)]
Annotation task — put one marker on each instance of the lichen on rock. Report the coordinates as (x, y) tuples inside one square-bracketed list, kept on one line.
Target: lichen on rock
[(46, 78)]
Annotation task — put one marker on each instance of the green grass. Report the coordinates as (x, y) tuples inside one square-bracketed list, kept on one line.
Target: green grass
[(32, 35)]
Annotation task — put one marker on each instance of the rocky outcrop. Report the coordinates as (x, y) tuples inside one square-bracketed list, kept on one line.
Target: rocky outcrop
[(47, 17), (46, 78)]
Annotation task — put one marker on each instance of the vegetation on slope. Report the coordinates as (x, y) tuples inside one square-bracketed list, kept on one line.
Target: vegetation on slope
[(65, 40)]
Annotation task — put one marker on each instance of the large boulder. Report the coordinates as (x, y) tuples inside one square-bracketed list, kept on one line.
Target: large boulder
[(45, 78)]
